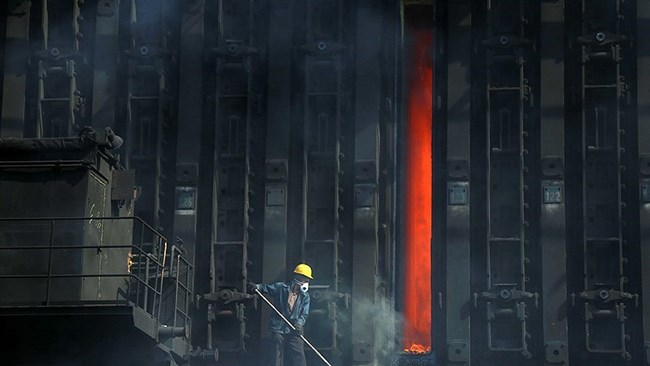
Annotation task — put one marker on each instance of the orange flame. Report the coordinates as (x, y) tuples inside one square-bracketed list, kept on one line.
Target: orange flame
[(417, 289), (417, 348)]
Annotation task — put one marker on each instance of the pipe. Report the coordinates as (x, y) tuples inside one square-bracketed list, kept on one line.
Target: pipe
[(173, 332)]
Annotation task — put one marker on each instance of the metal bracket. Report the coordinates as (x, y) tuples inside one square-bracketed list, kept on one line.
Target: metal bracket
[(505, 41), (227, 296), (365, 170), (552, 167), (503, 294), (364, 195), (556, 352), (186, 173), (458, 169), (601, 39), (594, 308), (323, 48), (275, 197), (106, 7), (458, 351), (235, 49), (606, 296), (330, 296), (277, 169), (362, 352)]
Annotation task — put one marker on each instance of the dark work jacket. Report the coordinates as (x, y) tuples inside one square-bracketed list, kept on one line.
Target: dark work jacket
[(279, 293)]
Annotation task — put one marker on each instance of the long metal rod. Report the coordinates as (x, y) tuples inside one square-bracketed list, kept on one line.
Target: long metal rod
[(49, 264), (292, 327)]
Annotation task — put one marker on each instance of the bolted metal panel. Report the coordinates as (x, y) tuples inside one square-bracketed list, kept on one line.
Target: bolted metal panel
[(123, 184), (50, 191)]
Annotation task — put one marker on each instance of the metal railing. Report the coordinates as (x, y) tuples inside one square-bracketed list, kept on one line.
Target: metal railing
[(39, 256), (180, 292)]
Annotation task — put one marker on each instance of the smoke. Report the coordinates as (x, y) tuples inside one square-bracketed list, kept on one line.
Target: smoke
[(388, 329), (378, 316)]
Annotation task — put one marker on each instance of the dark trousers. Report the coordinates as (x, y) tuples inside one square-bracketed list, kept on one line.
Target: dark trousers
[(291, 345)]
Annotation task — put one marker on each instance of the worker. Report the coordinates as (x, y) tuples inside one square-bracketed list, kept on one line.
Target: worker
[(293, 301)]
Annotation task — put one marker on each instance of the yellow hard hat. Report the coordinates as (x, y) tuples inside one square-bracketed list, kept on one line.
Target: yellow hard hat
[(303, 269)]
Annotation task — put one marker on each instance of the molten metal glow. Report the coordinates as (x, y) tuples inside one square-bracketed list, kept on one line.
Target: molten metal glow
[(417, 348), (417, 286)]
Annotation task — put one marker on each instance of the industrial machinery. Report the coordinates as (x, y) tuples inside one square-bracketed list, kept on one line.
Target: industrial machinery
[(79, 274), (469, 180)]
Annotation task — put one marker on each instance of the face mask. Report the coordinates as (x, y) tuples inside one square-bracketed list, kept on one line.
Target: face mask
[(304, 287)]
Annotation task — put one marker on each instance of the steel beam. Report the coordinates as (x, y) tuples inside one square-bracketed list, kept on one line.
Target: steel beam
[(457, 296), (366, 158), (105, 69), (277, 144), (552, 216), (190, 91), (15, 68)]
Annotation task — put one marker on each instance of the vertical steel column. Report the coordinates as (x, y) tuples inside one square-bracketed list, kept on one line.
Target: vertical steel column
[(235, 114), (366, 159), (190, 116), (277, 143), (15, 68), (643, 118), (458, 296), (552, 216), (508, 100), (202, 329), (3, 39), (324, 101), (105, 62), (439, 280)]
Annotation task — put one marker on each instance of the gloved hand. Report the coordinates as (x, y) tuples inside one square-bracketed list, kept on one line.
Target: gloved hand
[(298, 328), (251, 286)]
